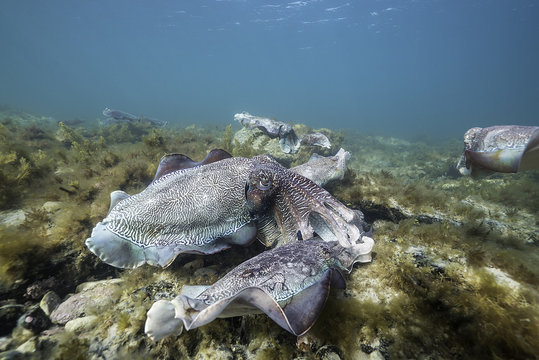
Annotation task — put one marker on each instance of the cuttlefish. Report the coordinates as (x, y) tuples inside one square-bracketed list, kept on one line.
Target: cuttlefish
[(208, 206), (288, 140), (124, 116), (506, 149), (290, 284)]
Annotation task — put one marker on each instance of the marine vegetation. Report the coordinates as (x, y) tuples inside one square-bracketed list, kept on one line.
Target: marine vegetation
[(454, 271)]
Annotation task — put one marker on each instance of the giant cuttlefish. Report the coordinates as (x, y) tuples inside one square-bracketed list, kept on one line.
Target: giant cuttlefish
[(290, 284), (506, 149), (208, 206)]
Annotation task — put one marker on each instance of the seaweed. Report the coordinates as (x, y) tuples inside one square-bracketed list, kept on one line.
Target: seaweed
[(226, 142), (429, 293)]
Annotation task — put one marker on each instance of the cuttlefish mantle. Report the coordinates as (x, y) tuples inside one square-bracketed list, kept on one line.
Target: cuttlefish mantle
[(505, 149), (290, 284), (208, 206)]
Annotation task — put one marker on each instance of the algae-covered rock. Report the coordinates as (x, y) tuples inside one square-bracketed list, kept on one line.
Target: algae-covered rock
[(454, 271), (81, 324), (90, 297), (12, 218), (49, 302)]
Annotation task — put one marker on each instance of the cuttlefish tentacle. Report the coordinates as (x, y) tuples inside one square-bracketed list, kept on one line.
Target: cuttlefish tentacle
[(300, 208)]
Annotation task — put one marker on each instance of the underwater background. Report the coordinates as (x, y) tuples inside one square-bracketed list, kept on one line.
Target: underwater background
[(382, 66), (396, 83)]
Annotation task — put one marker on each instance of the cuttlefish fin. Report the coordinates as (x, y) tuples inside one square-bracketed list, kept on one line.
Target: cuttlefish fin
[(116, 197), (510, 160), (173, 162), (122, 253), (215, 155), (304, 308), (530, 158), (297, 315)]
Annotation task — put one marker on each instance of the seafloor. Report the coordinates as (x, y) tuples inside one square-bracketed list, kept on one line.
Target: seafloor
[(454, 273)]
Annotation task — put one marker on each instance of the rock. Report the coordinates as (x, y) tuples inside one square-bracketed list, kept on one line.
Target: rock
[(98, 285), (39, 288), (35, 320), (503, 278), (8, 317), (52, 206), (374, 355), (12, 355), (90, 296), (28, 347), (12, 218), (261, 143), (82, 324), (49, 302), (329, 352), (423, 259), (5, 343)]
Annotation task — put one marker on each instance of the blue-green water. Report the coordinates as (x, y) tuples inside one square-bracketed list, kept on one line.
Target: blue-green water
[(389, 67)]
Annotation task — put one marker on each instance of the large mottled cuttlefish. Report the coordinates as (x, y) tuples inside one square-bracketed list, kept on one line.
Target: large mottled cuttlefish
[(290, 284), (506, 149), (208, 206)]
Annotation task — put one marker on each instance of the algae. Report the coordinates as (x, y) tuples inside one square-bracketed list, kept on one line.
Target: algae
[(433, 289)]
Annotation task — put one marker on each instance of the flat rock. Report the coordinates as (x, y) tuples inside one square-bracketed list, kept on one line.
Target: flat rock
[(90, 297), (12, 218), (52, 206)]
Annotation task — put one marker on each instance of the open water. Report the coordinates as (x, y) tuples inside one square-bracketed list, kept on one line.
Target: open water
[(390, 67)]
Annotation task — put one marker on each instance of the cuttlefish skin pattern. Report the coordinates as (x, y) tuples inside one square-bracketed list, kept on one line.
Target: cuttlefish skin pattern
[(506, 149), (290, 284), (178, 207), (281, 273), (207, 208)]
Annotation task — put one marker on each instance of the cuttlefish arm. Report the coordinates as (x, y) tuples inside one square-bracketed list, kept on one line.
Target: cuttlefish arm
[(323, 169), (299, 207), (505, 149)]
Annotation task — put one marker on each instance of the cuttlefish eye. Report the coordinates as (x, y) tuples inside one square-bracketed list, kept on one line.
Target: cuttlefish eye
[(264, 182)]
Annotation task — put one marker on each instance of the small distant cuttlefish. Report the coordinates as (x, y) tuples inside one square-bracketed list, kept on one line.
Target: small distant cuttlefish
[(208, 206), (290, 284), (506, 149), (124, 116)]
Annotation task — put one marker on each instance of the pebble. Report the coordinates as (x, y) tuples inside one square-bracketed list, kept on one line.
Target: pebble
[(49, 302), (35, 320), (12, 218), (82, 324)]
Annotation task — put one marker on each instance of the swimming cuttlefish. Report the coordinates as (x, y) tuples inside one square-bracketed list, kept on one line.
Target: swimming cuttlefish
[(208, 206), (290, 284), (506, 149)]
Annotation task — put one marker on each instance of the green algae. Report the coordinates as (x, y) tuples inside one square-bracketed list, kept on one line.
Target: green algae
[(443, 303)]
